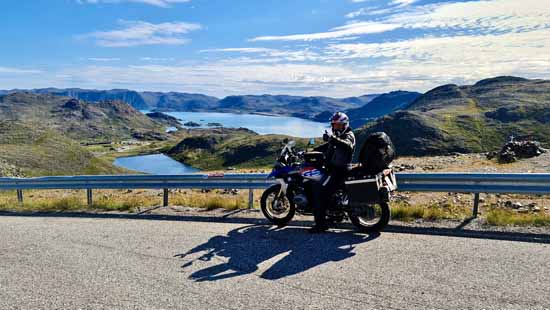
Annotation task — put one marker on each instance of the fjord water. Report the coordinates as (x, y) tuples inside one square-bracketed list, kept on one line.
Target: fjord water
[(262, 124)]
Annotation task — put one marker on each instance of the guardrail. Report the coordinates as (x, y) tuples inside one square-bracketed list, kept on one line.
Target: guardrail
[(475, 183)]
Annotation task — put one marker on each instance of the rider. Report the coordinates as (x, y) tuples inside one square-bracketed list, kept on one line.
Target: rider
[(338, 153)]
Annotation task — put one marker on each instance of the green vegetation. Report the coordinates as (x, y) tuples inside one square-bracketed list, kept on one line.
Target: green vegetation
[(216, 149), (503, 217)]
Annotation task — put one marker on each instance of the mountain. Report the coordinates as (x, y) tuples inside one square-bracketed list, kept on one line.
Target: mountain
[(129, 96), (380, 106), (474, 118), (297, 106), (78, 119), (172, 101)]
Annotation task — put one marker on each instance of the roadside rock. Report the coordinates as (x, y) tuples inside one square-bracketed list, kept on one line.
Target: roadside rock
[(9, 170), (514, 150), (404, 167)]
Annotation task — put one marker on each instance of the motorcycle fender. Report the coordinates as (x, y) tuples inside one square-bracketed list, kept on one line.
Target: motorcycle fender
[(284, 186)]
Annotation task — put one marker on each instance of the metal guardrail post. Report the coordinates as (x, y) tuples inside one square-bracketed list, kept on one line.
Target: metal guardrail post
[(250, 198), (165, 197), (476, 205), (20, 196), (89, 197)]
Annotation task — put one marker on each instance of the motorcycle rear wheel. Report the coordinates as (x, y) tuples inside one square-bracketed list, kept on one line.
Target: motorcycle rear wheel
[(279, 210), (373, 218)]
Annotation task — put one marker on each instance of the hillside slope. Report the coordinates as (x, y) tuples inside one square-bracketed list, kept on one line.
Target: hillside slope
[(466, 119), (30, 150)]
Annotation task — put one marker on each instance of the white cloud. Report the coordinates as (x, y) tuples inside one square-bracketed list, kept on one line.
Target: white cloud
[(159, 3), (268, 55), (143, 33), (8, 70), (403, 2), (469, 57), (486, 15), (102, 59), (239, 50), (338, 32), (157, 59)]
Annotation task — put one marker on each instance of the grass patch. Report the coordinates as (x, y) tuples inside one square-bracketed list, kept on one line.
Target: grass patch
[(211, 201), (502, 217), (120, 200), (406, 212)]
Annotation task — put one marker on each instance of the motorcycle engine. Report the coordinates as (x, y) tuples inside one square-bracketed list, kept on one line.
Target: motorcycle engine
[(300, 200), (340, 199)]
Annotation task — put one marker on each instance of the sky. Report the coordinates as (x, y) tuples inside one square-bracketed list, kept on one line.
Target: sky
[(336, 48)]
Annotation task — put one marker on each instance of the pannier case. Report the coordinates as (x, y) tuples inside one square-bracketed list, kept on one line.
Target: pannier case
[(371, 189)]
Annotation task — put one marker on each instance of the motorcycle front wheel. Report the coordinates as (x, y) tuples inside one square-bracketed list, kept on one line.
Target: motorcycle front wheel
[(277, 208), (370, 218)]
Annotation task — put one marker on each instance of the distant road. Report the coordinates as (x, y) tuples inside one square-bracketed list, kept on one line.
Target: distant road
[(111, 263)]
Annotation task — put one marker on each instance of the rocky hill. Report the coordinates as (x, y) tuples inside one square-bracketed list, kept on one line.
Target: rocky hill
[(78, 119), (465, 119), (219, 148)]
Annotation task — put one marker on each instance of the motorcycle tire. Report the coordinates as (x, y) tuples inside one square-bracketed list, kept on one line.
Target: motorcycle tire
[(267, 211), (377, 226)]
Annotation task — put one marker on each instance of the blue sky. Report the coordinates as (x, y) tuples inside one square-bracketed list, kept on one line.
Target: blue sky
[(308, 47)]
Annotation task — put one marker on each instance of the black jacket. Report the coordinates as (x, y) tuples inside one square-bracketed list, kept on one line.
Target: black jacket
[(338, 150)]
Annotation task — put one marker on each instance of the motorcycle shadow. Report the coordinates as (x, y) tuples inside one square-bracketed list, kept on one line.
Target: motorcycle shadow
[(245, 250)]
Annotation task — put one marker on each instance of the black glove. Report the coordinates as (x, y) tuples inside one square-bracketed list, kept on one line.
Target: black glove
[(326, 136)]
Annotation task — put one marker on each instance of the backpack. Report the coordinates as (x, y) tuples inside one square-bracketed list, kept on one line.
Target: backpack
[(376, 153)]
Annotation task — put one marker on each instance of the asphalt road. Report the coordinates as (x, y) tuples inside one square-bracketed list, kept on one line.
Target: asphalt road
[(111, 263)]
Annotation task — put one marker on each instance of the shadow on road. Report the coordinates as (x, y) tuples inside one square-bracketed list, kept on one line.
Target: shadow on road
[(285, 251), (396, 227)]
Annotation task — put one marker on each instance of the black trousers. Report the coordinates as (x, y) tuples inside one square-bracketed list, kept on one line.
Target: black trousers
[(321, 192)]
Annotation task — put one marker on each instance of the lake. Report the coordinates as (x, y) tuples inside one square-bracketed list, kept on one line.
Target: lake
[(262, 124), (154, 164)]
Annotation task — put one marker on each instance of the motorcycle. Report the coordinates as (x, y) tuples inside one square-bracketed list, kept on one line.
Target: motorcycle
[(363, 199)]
